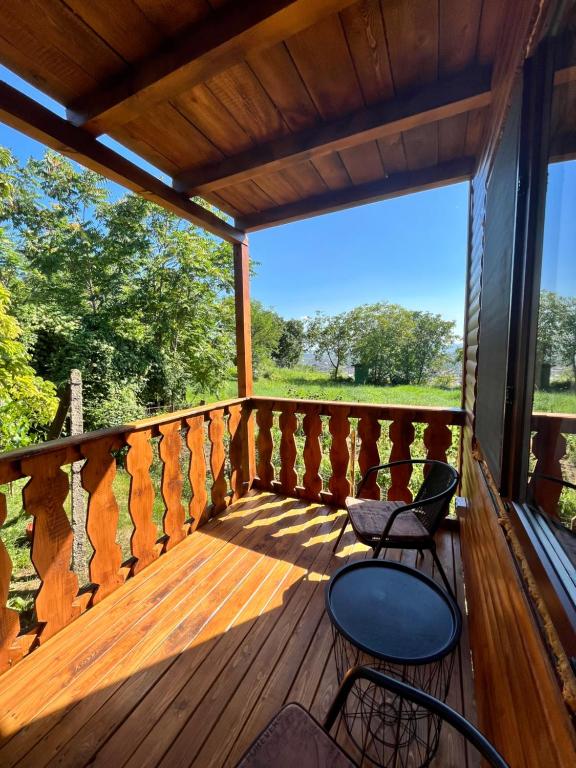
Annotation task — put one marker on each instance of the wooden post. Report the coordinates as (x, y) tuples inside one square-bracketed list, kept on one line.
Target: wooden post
[(77, 500), (244, 353)]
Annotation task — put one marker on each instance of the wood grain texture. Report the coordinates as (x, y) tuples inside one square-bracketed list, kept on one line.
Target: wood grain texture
[(369, 432), (44, 496), (243, 319), (9, 618), (265, 445), (219, 490), (549, 448), (339, 427), (402, 436), (169, 449), (288, 424), (437, 439), (510, 662), (141, 499), (97, 476), (237, 432), (312, 454), (197, 470)]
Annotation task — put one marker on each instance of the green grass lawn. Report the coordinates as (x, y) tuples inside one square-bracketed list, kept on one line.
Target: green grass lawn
[(310, 384)]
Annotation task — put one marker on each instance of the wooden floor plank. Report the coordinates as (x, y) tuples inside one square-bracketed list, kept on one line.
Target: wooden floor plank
[(187, 661)]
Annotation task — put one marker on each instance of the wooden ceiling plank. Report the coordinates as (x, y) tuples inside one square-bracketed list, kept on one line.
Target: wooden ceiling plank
[(363, 163), (278, 75), (197, 54), (327, 70), (24, 114), (332, 170), (412, 34), (436, 102), (459, 25), (364, 29), (393, 186)]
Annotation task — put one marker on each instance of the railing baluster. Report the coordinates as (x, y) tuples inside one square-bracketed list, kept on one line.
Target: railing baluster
[(312, 481), (97, 477), (437, 438), (369, 433), (339, 455), (52, 540), (236, 430), (288, 424), (9, 619), (265, 444), (174, 517), (217, 460), (402, 436), (141, 499), (197, 470), (549, 448)]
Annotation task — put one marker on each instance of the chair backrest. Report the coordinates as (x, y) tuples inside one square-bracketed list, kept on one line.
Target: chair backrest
[(440, 480)]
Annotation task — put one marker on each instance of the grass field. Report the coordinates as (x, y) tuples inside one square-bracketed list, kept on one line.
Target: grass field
[(310, 384)]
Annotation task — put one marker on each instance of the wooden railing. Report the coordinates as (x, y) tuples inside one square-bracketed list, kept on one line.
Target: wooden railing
[(206, 443), (179, 469), (551, 435), (321, 448)]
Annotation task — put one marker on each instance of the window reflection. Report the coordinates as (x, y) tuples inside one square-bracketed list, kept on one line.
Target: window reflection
[(552, 485)]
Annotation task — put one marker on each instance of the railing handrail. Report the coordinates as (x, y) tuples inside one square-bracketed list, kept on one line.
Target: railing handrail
[(563, 422), (71, 445), (417, 413)]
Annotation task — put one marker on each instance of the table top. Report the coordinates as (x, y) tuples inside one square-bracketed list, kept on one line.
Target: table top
[(393, 612)]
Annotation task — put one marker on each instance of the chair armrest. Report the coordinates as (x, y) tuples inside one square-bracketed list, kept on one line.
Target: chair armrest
[(422, 699)]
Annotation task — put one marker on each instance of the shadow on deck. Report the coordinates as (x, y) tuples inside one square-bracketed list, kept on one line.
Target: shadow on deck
[(185, 663)]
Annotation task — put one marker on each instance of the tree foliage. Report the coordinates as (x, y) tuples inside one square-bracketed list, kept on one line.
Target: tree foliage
[(290, 344), (394, 344), (117, 287), (556, 341), (267, 329)]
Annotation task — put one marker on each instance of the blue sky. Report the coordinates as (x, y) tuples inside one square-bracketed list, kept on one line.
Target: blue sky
[(411, 250)]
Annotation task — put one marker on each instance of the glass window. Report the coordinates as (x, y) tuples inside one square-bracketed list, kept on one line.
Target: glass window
[(552, 482)]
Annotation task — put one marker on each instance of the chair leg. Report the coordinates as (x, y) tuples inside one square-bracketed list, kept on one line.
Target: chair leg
[(442, 572), (345, 523)]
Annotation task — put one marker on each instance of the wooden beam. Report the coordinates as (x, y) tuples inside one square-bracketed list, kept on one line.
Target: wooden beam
[(217, 42), (566, 75), (29, 117), (393, 186), (438, 101), (563, 147), (243, 319)]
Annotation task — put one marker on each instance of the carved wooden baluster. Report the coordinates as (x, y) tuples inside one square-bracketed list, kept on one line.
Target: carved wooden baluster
[(9, 618), (369, 433), (218, 460), (339, 455), (52, 539), (312, 480), (437, 438), (141, 499), (265, 445), (97, 476), (402, 436), (288, 423), (174, 520), (237, 431), (197, 470), (549, 448)]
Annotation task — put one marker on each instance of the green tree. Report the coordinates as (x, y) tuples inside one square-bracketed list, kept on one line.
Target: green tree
[(267, 329), (117, 287), (290, 344), (331, 337), (27, 402), (552, 330)]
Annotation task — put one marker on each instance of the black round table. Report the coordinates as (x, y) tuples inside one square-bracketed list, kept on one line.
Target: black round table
[(396, 619)]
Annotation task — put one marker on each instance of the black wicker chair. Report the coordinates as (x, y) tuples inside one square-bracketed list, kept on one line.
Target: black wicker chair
[(294, 737), (401, 525)]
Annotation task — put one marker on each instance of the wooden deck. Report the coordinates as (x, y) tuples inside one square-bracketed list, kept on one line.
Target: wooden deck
[(187, 661)]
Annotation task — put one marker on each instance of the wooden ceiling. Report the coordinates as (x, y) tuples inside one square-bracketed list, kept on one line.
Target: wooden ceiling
[(269, 109)]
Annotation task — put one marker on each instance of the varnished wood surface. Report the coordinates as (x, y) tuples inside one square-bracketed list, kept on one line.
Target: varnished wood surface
[(520, 706), (185, 663)]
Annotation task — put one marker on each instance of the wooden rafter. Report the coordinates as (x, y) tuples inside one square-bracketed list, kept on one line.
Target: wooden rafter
[(224, 38), (29, 117), (395, 185), (438, 101)]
